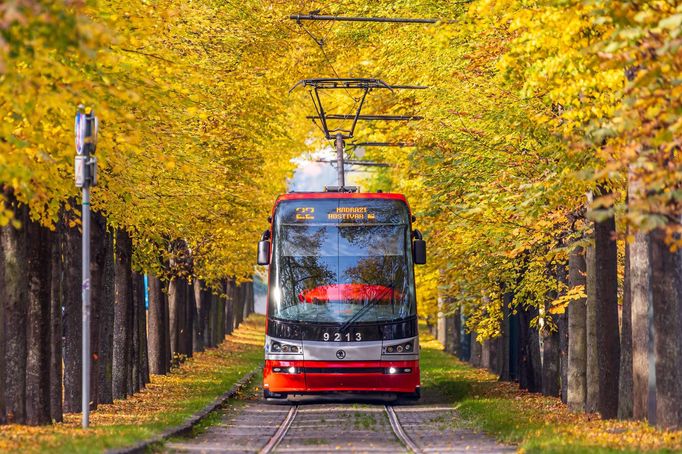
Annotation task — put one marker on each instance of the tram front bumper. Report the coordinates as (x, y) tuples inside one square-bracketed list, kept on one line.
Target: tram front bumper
[(330, 376)]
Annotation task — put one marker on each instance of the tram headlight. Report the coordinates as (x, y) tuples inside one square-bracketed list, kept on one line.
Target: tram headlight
[(397, 349), (397, 370), (287, 370), (280, 347)]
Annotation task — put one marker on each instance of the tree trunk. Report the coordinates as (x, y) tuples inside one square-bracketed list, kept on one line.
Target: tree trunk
[(230, 302), (123, 301), (530, 368), (592, 368), (98, 251), (239, 317), (608, 340), (3, 405), (143, 355), (212, 317), (440, 322), (55, 333), (207, 329), (504, 356), (551, 378), (190, 309), (449, 326), (577, 337), (107, 303), (14, 298), (563, 356), (476, 358), (175, 314), (666, 279), (252, 299), (199, 316), (625, 376), (38, 325), (138, 312), (182, 316), (158, 357), (494, 355), (131, 352), (226, 310), (457, 333), (562, 324), (485, 354), (166, 321), (466, 341), (220, 303), (640, 300), (71, 281), (550, 365)]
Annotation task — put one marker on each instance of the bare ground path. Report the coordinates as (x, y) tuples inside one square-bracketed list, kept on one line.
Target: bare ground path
[(319, 426)]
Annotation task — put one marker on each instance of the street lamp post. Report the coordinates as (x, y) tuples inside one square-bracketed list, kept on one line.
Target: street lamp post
[(86, 126)]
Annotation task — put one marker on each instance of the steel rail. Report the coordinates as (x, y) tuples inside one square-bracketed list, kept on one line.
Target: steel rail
[(399, 431), (276, 439)]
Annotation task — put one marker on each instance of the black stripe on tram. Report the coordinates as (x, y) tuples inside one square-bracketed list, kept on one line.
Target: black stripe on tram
[(344, 370)]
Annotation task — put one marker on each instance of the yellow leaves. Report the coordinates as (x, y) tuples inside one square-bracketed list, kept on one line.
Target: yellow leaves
[(560, 304)]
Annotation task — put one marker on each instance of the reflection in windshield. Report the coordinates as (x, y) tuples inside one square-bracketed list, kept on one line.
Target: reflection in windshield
[(328, 273)]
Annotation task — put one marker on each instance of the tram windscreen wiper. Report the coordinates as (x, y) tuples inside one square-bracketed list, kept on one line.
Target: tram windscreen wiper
[(363, 311)]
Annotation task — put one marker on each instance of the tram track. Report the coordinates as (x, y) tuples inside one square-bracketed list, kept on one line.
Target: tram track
[(288, 421), (281, 432), (399, 431)]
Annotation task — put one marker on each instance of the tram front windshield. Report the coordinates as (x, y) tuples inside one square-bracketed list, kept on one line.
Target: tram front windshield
[(340, 261)]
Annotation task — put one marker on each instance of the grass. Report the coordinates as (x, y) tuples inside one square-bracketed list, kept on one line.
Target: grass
[(363, 420), (533, 422), (167, 401)]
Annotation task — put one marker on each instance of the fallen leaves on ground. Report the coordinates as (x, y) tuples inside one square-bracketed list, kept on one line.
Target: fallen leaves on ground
[(166, 401), (542, 423)]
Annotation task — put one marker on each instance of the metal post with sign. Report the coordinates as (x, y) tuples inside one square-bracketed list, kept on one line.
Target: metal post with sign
[(86, 126)]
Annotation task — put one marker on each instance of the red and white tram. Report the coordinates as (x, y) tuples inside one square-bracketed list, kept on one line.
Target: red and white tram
[(341, 307)]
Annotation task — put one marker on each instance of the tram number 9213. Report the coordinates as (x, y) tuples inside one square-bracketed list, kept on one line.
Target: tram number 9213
[(341, 337)]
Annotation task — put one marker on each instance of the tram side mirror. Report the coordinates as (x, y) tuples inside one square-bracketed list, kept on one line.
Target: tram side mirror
[(418, 248), (263, 252), (419, 251), (264, 249)]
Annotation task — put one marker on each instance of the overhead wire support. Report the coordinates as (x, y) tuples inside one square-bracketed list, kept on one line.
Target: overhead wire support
[(365, 85), (401, 20), (368, 117), (357, 163), (382, 144), (331, 83)]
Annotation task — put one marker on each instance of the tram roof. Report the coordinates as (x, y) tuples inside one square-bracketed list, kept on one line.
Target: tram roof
[(341, 195)]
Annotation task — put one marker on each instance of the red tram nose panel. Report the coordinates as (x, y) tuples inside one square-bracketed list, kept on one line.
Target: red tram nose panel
[(328, 376)]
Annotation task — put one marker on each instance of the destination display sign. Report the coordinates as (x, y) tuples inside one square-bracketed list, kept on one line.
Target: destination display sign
[(383, 211)]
